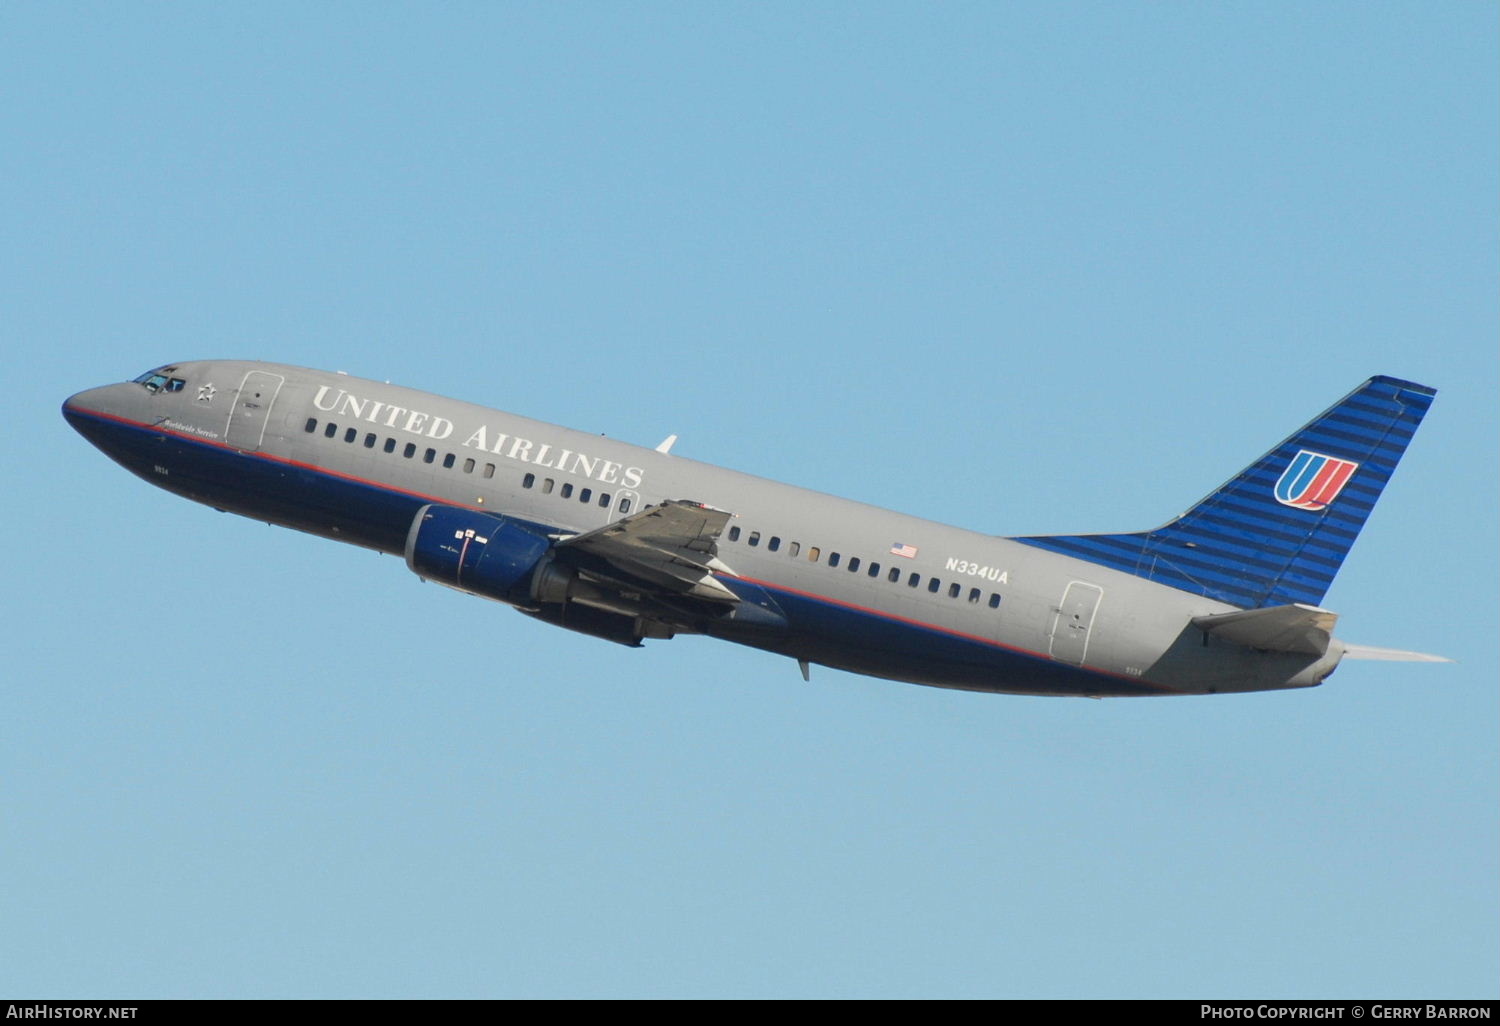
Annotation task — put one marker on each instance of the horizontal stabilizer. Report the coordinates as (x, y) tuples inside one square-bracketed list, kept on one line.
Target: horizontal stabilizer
[(1395, 655), (1304, 630)]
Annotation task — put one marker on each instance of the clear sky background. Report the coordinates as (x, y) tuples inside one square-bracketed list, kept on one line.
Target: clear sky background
[(1023, 267)]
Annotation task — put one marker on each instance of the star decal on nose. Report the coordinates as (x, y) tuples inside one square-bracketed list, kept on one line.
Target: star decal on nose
[(206, 393)]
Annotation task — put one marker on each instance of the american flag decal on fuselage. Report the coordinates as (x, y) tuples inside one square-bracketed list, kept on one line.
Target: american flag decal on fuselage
[(1312, 480)]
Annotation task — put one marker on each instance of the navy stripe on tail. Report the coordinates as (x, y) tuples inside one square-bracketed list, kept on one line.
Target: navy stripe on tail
[(1278, 532)]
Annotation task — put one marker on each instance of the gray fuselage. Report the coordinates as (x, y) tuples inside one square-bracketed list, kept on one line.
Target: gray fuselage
[(861, 588)]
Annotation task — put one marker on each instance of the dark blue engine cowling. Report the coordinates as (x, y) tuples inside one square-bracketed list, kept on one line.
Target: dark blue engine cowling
[(482, 553)]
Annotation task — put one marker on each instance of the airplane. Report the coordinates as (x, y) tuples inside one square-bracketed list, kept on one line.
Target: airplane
[(629, 543)]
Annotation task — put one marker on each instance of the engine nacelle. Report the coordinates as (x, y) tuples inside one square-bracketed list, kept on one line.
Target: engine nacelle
[(495, 557), (480, 553)]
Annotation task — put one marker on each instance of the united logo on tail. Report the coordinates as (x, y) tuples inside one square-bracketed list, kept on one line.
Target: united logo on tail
[(1313, 480)]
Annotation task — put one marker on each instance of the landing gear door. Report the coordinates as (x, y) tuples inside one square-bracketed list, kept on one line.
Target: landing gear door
[(1073, 620), (252, 410)]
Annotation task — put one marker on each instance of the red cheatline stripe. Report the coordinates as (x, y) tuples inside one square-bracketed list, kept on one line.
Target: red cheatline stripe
[(989, 642), (1136, 681), (283, 460)]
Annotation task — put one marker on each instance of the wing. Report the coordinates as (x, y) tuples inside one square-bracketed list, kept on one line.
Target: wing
[(671, 548)]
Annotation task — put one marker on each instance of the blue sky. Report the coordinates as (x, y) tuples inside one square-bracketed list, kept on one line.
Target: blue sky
[(1027, 268)]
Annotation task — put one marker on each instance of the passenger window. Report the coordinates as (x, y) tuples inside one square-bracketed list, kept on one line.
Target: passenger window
[(773, 544), (793, 549), (954, 589), (331, 430), (973, 594), (370, 440), (604, 500), (350, 435), (585, 494), (754, 538), (833, 559), (469, 465), (429, 456), (994, 601), (528, 480), (812, 554), (933, 585), (489, 470), (448, 461), (410, 450), (914, 580), (312, 425), (624, 506), (895, 574), (567, 491), (853, 564), (547, 485), (734, 534), (874, 569), (390, 445)]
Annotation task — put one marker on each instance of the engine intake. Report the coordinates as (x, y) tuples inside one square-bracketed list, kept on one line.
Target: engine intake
[(480, 553)]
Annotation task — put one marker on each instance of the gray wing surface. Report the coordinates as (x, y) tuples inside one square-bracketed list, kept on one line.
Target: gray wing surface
[(671, 547)]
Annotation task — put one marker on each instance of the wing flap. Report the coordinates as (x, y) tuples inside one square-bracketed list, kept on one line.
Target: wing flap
[(671, 546)]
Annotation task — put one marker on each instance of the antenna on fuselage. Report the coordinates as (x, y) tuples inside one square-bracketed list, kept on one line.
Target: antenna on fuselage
[(666, 444)]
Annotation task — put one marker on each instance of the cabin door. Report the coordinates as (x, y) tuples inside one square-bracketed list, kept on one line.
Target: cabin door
[(252, 409), (1073, 620)]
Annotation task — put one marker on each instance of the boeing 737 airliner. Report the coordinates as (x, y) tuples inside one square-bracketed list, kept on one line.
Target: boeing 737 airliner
[(627, 543)]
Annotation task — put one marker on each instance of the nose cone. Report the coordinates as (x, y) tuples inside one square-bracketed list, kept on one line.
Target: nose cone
[(86, 405), (89, 400), (99, 414)]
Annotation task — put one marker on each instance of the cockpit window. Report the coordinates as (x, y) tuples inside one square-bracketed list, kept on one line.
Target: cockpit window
[(156, 381)]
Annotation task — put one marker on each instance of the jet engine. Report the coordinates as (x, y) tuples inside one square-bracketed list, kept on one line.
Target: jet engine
[(495, 557), (480, 553)]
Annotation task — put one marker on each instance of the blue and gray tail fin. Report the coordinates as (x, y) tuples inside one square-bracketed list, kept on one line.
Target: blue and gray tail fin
[(1278, 532)]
